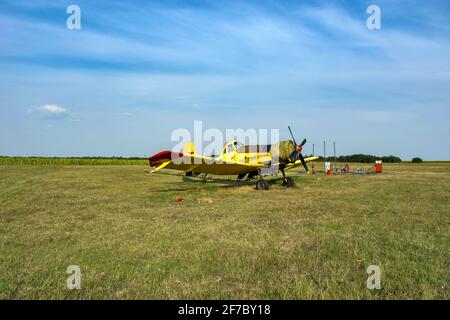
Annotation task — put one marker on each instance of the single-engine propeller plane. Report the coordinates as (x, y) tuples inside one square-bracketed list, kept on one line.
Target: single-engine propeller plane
[(237, 159)]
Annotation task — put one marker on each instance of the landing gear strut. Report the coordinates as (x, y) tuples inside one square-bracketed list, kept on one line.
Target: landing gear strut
[(287, 181)]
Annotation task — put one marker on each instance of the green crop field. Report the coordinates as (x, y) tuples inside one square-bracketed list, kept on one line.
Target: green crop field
[(92, 161), (131, 239)]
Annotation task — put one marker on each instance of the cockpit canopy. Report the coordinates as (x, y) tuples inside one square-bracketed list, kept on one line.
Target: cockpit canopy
[(231, 146), (239, 147)]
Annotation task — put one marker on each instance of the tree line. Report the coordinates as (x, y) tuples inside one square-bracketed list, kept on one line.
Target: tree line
[(362, 158)]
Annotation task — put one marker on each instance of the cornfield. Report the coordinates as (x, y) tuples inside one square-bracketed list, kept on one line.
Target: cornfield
[(71, 161)]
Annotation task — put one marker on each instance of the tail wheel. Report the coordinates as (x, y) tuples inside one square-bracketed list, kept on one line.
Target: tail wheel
[(262, 185), (191, 174)]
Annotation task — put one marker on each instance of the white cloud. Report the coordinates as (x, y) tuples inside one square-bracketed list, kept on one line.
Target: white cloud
[(50, 111), (53, 109)]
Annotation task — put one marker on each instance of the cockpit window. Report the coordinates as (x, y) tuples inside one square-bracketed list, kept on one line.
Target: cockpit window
[(230, 148)]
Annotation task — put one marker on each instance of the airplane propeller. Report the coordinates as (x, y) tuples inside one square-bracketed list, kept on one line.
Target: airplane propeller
[(297, 153)]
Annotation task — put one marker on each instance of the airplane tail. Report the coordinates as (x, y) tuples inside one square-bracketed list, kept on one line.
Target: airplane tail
[(189, 148)]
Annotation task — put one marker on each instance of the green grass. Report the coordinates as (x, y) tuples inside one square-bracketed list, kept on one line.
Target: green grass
[(131, 239)]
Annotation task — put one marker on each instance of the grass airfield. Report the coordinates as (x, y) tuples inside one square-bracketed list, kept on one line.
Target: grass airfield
[(131, 240)]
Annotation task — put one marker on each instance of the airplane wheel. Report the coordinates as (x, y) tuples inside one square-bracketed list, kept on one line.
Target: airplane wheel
[(262, 185), (288, 182)]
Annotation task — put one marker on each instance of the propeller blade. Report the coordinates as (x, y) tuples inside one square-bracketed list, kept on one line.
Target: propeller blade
[(303, 142), (303, 162), (297, 154), (292, 135)]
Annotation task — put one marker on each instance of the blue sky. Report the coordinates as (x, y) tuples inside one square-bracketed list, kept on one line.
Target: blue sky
[(138, 70)]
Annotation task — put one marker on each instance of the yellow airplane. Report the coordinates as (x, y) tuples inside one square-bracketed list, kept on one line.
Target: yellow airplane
[(237, 159)]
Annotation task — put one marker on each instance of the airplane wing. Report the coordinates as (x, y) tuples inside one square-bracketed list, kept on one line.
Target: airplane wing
[(299, 163), (199, 164)]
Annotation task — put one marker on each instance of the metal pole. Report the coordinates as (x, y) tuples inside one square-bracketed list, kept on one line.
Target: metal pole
[(324, 158), (334, 147), (313, 150)]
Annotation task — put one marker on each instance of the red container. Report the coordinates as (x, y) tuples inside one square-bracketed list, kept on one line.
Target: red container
[(178, 199), (328, 168), (378, 166)]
